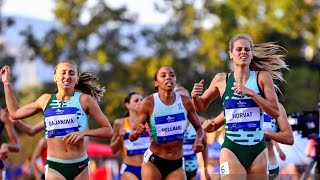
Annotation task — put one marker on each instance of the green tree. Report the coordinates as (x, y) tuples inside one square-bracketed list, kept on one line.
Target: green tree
[(94, 36), (95, 41), (197, 34)]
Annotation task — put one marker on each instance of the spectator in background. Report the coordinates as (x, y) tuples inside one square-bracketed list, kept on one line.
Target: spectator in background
[(311, 148)]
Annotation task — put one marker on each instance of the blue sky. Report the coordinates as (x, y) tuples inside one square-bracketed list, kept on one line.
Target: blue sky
[(147, 14)]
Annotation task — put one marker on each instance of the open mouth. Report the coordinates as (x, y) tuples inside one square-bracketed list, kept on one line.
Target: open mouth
[(170, 84)]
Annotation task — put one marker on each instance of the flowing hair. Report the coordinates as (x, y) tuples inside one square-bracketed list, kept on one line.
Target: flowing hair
[(85, 83), (266, 57)]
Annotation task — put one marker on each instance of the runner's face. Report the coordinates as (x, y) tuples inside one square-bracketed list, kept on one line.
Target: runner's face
[(166, 78), (135, 102), (66, 76), (241, 53)]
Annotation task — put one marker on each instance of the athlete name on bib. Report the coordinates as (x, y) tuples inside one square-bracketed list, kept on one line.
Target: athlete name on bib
[(171, 127), (242, 114), (61, 121), (137, 147)]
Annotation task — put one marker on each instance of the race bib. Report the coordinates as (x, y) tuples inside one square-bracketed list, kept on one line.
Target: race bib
[(137, 147), (61, 121), (242, 114), (224, 168), (170, 128)]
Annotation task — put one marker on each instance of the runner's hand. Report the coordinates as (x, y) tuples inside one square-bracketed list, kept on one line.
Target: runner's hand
[(4, 151), (242, 90), (197, 89), (5, 73), (74, 137), (197, 146), (208, 126), (141, 129)]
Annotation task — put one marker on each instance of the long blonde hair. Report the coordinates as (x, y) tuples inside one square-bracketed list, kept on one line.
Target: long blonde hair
[(266, 57)]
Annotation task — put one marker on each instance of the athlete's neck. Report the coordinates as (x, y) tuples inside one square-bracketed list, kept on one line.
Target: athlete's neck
[(241, 75), (167, 98), (63, 96), (132, 117)]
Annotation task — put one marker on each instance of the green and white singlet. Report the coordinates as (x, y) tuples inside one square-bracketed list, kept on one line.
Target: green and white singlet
[(190, 158), (62, 119), (243, 117)]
